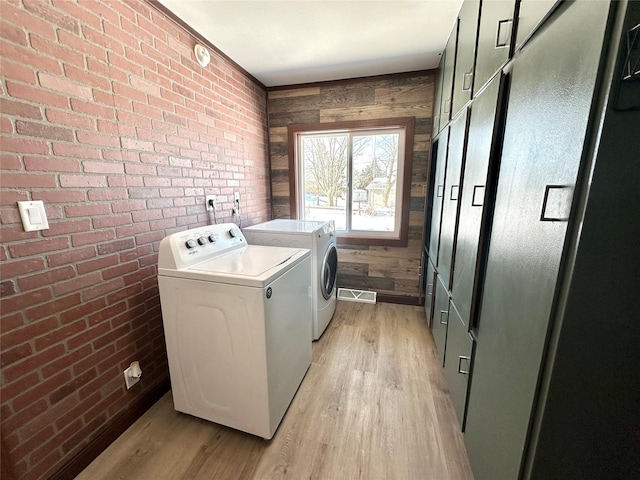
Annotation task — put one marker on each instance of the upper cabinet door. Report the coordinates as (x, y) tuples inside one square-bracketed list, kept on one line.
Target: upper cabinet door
[(531, 14), (447, 81), (437, 101), (494, 39), (552, 86), (466, 54)]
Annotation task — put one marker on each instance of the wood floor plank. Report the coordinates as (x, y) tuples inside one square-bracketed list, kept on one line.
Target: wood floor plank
[(373, 405)]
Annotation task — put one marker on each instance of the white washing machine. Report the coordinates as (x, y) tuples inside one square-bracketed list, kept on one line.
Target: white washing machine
[(320, 238), (237, 323)]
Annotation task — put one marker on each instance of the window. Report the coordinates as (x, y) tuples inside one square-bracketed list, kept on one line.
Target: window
[(357, 174)]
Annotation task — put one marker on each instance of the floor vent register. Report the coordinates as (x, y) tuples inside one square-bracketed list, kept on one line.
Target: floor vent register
[(352, 295)]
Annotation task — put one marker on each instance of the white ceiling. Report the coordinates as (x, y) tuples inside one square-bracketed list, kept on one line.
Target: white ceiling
[(303, 41)]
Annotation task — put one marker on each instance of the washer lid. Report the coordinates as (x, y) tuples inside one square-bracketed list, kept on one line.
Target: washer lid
[(253, 260), (252, 266), (287, 225)]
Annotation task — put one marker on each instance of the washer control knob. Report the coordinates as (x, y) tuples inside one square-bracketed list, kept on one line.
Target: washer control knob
[(233, 233), (212, 238), (190, 244), (202, 241)]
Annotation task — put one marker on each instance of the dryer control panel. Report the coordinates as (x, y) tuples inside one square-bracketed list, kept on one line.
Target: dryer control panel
[(184, 249), (329, 228)]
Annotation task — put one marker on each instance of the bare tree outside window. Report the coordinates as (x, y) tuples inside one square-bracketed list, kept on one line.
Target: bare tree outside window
[(353, 170), (388, 144), (325, 166), (376, 165)]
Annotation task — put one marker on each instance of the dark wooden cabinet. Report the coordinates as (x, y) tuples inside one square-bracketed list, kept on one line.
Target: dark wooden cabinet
[(457, 365), (544, 141), (531, 14), (430, 279), (475, 196), (542, 255), (465, 54), (447, 76), (437, 101), (588, 421), (450, 196), (437, 191), (494, 39), (440, 317)]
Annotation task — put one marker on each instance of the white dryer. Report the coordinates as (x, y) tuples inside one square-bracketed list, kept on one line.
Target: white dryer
[(320, 238), (237, 323)]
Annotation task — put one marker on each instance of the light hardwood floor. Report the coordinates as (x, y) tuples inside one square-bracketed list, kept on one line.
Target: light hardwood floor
[(373, 405)]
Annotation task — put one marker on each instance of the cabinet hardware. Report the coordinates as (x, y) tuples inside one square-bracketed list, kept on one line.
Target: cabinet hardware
[(503, 36), (440, 191), (467, 79), (454, 192), (631, 70), (477, 199), (555, 208), (460, 358), (446, 316)]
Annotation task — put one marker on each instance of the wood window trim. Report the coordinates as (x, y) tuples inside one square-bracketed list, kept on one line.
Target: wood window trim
[(407, 123)]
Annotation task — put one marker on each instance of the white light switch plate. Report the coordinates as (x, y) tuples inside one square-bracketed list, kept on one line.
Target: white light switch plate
[(33, 216)]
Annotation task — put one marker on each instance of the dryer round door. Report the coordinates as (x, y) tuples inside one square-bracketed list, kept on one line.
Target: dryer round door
[(329, 272)]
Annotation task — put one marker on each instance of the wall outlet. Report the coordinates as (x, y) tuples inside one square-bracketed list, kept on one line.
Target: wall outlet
[(132, 375), (210, 202), (236, 203)]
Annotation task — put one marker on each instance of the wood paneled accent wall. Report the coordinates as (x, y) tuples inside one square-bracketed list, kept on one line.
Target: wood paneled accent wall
[(390, 271)]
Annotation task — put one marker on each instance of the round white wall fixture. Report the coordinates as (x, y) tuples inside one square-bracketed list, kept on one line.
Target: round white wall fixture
[(202, 55)]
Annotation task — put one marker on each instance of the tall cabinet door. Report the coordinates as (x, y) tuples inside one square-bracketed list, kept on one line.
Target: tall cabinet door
[(494, 39), (458, 362), (440, 317), (482, 130), (455, 159), (438, 194), (429, 290), (552, 84), (466, 53)]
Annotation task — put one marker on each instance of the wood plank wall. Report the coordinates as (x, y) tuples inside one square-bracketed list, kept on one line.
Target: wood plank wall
[(389, 271)]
